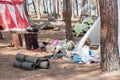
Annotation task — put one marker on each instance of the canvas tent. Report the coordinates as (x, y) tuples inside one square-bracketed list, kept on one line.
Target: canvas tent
[(12, 15), (93, 33)]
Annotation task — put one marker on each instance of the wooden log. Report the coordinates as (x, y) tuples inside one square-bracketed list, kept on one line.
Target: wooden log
[(17, 40), (31, 41)]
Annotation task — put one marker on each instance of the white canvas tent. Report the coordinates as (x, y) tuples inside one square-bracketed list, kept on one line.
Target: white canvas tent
[(93, 33), (12, 15)]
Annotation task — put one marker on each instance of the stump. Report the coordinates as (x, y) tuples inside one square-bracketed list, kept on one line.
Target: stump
[(31, 40), (17, 40)]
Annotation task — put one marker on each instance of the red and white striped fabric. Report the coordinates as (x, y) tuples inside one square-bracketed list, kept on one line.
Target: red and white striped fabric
[(0, 19), (12, 15)]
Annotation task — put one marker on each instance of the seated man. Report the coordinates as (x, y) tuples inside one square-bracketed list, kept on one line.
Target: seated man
[(86, 54)]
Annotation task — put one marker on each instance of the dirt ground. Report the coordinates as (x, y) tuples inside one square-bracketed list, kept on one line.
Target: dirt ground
[(59, 69)]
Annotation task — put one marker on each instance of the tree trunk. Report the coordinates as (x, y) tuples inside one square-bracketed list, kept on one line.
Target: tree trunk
[(54, 6), (46, 2), (61, 10), (25, 7), (34, 6), (83, 12), (50, 7), (44, 6), (109, 35), (67, 13), (58, 7), (72, 9), (37, 5), (83, 3), (26, 12), (98, 7), (76, 6), (54, 9)]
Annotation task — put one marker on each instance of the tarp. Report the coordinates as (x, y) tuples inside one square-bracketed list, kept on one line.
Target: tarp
[(13, 15)]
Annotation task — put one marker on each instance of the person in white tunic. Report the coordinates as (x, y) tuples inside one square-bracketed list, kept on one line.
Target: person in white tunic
[(87, 56)]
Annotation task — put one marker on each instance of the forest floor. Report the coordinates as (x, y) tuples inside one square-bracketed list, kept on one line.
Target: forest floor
[(59, 70)]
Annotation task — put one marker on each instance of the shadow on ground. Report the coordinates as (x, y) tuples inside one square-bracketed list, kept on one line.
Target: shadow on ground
[(59, 70)]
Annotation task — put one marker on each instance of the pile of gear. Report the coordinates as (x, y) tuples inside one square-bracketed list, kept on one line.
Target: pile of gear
[(59, 45), (64, 49)]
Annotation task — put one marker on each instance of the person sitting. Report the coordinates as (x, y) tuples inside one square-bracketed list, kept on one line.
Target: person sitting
[(86, 54)]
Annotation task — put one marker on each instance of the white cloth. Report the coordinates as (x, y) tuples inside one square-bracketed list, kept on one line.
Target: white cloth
[(86, 57), (84, 54)]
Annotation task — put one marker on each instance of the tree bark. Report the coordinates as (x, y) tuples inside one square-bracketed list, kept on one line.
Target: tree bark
[(50, 7), (54, 9), (47, 6), (109, 35), (34, 6), (67, 13), (58, 7), (37, 5), (44, 6), (76, 6), (61, 10), (27, 14), (25, 7), (98, 7), (83, 3), (72, 9)]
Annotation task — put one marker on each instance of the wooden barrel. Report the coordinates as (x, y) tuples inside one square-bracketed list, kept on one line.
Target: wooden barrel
[(31, 41)]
